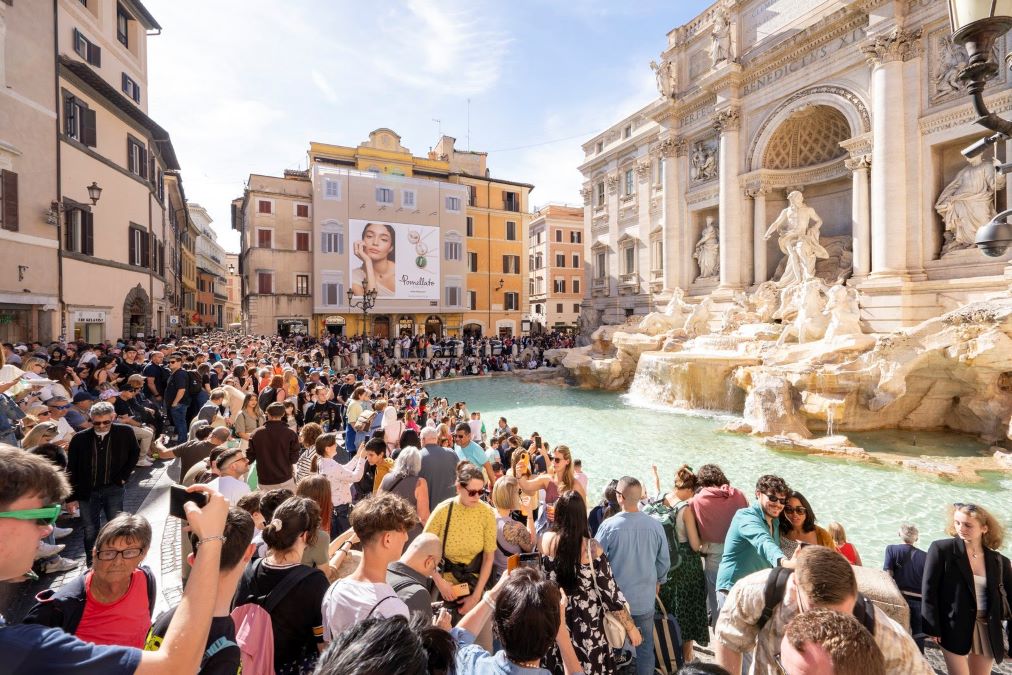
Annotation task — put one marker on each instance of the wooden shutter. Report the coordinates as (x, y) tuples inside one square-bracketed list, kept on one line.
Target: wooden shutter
[(302, 241), (88, 135), (133, 245), (88, 233), (94, 55), (10, 200), (144, 162), (145, 249), (69, 113), (68, 234), (152, 249), (161, 259)]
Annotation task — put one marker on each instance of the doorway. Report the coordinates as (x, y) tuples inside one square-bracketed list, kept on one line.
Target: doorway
[(381, 327)]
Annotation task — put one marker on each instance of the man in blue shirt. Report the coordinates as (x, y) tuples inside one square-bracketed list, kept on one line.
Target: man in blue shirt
[(470, 451), (638, 551), (753, 540)]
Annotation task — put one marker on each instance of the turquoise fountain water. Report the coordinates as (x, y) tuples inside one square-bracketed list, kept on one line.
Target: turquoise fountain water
[(615, 435)]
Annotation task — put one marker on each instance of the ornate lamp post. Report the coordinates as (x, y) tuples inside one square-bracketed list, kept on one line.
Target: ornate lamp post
[(976, 24), (367, 302)]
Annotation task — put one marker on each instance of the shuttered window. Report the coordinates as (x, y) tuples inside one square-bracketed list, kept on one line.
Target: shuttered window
[(9, 200), (512, 301), (265, 282), (301, 241), (79, 235), (264, 238), (332, 293), (137, 157), (87, 50), (139, 247), (79, 121)]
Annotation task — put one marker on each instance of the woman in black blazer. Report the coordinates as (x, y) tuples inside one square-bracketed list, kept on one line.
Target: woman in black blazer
[(957, 572)]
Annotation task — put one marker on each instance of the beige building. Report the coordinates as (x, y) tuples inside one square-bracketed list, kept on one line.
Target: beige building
[(557, 254), (233, 290), (29, 282), (113, 252), (275, 222)]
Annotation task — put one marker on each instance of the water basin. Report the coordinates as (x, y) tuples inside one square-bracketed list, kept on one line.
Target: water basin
[(618, 434)]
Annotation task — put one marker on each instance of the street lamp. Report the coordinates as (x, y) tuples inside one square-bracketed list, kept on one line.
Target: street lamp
[(231, 268), (94, 192), (367, 302), (976, 24)]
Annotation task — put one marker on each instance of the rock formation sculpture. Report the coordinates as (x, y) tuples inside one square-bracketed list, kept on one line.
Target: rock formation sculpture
[(698, 322), (844, 312), (967, 203), (798, 226), (673, 316), (707, 252)]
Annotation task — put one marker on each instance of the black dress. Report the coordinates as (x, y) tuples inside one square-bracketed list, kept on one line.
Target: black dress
[(585, 617)]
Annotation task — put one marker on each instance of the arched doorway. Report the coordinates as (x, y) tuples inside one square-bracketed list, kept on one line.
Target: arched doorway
[(472, 330), (335, 324), (381, 327), (434, 326), (136, 313)]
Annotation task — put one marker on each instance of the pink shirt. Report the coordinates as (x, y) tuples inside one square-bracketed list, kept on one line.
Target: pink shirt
[(714, 507), (124, 622)]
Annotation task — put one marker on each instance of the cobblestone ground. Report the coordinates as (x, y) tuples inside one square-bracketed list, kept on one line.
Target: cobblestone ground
[(145, 494)]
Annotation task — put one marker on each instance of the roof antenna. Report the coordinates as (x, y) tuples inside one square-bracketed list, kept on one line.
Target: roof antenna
[(439, 126), (469, 125)]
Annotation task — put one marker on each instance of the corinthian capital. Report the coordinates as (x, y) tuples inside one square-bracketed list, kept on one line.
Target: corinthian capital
[(586, 192), (896, 45), (858, 162), (726, 120)]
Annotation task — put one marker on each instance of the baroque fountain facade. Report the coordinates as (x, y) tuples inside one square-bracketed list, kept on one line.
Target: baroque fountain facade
[(787, 232)]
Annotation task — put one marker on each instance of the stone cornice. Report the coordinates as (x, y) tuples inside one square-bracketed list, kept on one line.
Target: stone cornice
[(765, 179), (858, 145), (710, 191), (817, 35), (963, 115)]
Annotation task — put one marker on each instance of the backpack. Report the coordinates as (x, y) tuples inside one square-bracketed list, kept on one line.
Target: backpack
[(776, 586), (254, 629), (193, 385), (668, 518)]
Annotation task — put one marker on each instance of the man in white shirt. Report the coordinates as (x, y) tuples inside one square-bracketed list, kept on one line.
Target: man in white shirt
[(232, 465), (381, 522)]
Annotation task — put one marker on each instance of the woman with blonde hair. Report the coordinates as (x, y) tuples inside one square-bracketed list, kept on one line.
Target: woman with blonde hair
[(444, 435), (559, 479), (966, 592), (291, 384), (43, 432), (843, 547), (512, 538)]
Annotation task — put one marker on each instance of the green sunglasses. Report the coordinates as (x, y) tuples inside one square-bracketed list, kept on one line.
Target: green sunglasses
[(47, 515)]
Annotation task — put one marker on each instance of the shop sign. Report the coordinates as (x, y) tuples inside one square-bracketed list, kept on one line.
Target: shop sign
[(174, 320), (334, 321), (93, 316)]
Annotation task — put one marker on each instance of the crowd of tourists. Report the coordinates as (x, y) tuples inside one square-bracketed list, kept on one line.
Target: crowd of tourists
[(339, 519)]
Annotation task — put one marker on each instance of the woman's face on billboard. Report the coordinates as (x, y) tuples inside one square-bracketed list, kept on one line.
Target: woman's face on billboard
[(377, 241)]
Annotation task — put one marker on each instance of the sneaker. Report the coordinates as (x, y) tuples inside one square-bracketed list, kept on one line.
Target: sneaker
[(143, 461), (59, 564), (61, 532), (48, 550)]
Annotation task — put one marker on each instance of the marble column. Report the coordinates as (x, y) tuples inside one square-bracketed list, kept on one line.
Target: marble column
[(860, 214), (748, 226), (889, 214), (673, 153), (759, 271), (731, 274)]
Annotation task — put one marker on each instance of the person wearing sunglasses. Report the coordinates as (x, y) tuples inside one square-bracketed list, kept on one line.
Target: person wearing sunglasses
[(467, 527), (753, 539), (31, 488), (798, 528), (469, 451), (100, 461), (112, 603)]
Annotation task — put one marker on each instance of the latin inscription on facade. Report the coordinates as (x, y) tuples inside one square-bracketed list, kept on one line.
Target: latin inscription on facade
[(848, 40), (770, 17)]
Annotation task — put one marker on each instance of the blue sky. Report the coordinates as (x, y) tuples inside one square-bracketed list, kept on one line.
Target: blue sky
[(243, 86)]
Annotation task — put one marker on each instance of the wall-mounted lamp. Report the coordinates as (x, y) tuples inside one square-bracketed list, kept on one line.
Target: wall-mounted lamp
[(94, 192)]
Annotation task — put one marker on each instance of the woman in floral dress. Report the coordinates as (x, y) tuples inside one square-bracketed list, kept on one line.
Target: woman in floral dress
[(566, 561), (684, 591)]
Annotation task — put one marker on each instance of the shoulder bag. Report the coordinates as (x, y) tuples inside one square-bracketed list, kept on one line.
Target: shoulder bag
[(614, 630)]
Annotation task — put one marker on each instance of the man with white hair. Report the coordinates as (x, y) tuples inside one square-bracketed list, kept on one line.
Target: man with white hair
[(905, 563), (439, 468)]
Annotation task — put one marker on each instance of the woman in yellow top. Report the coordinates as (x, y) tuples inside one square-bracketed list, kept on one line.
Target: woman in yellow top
[(797, 526), (467, 527), (291, 383)]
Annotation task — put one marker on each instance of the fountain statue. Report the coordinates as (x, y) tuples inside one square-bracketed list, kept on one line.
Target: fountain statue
[(810, 321), (967, 203), (798, 226), (707, 252), (844, 312), (673, 316), (698, 322)]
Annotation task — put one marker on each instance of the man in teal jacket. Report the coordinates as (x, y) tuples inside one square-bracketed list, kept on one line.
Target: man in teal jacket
[(753, 540)]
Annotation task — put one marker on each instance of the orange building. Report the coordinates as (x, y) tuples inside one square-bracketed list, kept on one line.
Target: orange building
[(557, 256)]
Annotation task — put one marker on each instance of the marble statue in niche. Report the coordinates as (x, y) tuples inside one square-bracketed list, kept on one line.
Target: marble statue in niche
[(967, 203), (704, 162), (707, 252), (720, 38), (665, 74), (798, 226)]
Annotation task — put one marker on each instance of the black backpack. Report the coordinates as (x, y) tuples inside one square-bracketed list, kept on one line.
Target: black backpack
[(776, 586), (193, 385)]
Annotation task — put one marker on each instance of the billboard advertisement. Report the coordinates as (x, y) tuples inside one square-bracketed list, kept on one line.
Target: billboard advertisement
[(399, 260)]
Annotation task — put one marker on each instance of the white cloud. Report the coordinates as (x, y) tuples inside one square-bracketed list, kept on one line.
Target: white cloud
[(324, 86)]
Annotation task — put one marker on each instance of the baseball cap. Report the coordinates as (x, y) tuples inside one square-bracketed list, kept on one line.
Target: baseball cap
[(83, 396)]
